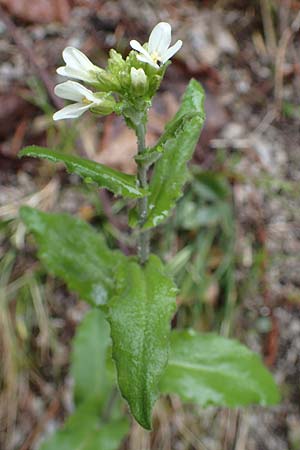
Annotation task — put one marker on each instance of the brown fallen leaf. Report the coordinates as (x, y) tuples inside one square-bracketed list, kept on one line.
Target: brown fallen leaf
[(118, 144), (39, 11), (120, 149)]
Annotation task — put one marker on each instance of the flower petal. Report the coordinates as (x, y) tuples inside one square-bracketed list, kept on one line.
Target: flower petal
[(171, 51), (139, 48), (71, 111), (76, 74), (160, 38), (147, 59), (71, 90), (75, 58), (78, 66)]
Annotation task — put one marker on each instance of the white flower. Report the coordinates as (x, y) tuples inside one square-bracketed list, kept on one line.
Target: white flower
[(84, 98), (78, 66), (159, 50)]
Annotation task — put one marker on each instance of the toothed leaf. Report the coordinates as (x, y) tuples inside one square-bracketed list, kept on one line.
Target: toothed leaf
[(92, 172)]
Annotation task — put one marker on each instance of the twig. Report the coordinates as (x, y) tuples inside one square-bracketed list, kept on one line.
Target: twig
[(18, 137), (19, 38), (284, 15), (50, 412)]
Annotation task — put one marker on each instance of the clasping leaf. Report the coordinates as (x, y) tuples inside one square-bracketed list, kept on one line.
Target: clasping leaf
[(117, 182), (178, 143)]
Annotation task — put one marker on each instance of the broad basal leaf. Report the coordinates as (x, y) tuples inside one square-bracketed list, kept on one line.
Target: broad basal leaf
[(211, 370), (117, 182), (178, 143), (89, 353), (84, 431), (140, 317), (73, 251)]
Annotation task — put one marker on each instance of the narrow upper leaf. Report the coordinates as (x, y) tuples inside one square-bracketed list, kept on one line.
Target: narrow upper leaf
[(73, 251), (140, 317), (89, 354), (211, 370), (178, 143), (117, 182), (84, 431)]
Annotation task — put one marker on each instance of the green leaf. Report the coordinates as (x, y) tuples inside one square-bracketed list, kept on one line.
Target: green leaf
[(117, 182), (211, 370), (70, 249), (89, 353), (179, 141), (84, 431), (140, 315)]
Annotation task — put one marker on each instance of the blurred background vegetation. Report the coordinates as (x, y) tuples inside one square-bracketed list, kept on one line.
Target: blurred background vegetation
[(233, 243)]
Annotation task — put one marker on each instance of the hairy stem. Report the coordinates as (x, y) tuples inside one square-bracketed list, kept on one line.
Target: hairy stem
[(144, 236)]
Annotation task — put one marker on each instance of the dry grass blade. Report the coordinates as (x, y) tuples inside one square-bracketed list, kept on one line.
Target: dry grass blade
[(41, 314), (9, 355), (285, 39), (43, 199), (266, 12)]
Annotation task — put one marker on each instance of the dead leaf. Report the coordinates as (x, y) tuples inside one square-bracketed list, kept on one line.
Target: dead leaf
[(39, 11), (118, 145), (120, 151)]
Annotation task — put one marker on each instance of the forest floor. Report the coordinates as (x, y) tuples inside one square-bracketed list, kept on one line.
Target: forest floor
[(247, 56)]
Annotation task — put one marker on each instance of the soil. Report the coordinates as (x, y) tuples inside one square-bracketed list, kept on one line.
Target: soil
[(246, 55)]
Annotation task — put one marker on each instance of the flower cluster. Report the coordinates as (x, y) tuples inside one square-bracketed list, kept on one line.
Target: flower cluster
[(133, 80), (79, 67)]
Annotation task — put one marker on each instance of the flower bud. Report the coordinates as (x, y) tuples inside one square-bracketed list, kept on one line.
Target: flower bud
[(106, 81), (139, 81), (115, 62), (106, 106)]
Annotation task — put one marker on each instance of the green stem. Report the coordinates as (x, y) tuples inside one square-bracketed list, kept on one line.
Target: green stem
[(144, 236)]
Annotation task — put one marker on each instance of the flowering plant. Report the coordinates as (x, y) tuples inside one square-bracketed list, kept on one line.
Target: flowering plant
[(126, 337)]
